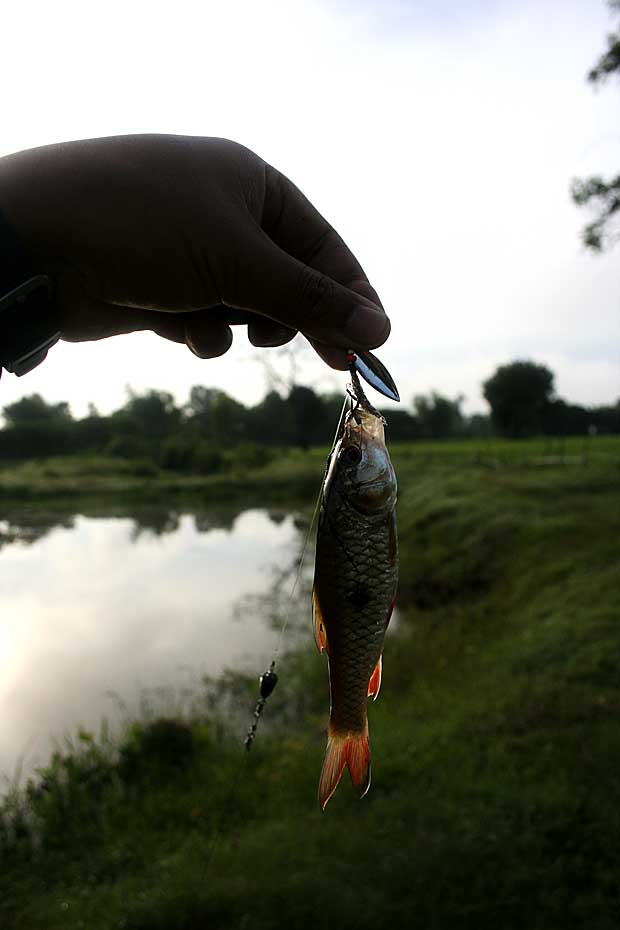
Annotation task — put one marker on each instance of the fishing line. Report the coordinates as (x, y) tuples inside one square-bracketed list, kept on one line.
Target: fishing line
[(269, 679), (307, 540)]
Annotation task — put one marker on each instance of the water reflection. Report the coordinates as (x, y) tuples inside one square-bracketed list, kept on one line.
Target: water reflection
[(28, 532), (125, 601), (27, 524)]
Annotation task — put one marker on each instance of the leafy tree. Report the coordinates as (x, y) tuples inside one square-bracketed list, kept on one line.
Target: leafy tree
[(271, 421), (561, 419), (219, 416), (309, 417), (152, 415), (33, 409), (602, 195), (437, 416), (518, 394), (91, 432), (606, 419), (198, 409), (36, 428), (401, 426), (478, 426), (228, 420)]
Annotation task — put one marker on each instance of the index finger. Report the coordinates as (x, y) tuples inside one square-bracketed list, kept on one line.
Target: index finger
[(297, 227)]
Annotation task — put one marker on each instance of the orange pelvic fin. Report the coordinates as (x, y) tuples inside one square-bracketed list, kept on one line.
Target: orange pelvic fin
[(375, 680), (352, 750), (320, 633)]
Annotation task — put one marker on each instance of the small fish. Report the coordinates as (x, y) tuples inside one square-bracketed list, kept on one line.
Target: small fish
[(355, 581)]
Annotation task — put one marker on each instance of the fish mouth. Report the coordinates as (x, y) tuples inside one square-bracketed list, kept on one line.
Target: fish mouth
[(363, 421)]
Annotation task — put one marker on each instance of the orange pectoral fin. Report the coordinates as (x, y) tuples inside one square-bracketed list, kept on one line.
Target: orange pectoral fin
[(320, 633), (375, 680)]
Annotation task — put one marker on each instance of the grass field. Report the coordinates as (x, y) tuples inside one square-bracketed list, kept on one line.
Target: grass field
[(496, 747), (289, 472)]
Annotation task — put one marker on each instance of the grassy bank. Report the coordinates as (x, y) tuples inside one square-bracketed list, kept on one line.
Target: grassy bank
[(496, 788), (290, 474), (283, 473)]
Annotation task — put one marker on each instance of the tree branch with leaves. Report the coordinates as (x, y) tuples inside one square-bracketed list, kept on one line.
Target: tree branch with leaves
[(603, 196)]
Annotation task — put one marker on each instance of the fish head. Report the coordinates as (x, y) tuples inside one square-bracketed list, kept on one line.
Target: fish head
[(364, 469)]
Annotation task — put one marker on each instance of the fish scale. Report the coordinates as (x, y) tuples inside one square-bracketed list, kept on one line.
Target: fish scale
[(353, 552)]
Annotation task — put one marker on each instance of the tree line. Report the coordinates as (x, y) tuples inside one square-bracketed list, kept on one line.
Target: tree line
[(151, 425)]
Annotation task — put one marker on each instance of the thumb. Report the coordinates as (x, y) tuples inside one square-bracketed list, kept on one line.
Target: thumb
[(275, 284)]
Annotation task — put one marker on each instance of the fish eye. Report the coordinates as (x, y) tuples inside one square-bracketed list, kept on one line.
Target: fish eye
[(352, 455)]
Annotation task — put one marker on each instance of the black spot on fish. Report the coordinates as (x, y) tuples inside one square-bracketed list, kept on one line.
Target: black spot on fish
[(359, 596)]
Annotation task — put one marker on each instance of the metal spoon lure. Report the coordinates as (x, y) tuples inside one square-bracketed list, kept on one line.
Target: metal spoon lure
[(374, 373)]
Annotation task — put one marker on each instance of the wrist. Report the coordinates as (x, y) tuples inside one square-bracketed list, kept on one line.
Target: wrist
[(28, 319)]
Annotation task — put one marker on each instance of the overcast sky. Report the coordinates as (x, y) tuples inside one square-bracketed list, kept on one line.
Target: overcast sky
[(439, 138)]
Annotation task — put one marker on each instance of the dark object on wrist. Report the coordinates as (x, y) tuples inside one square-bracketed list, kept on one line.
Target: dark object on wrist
[(26, 328), (28, 316)]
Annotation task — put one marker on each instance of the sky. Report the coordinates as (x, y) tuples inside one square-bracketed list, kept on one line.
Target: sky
[(439, 139)]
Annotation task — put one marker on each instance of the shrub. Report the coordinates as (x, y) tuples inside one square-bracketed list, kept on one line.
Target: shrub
[(251, 455), (178, 453), (208, 459), (158, 749), (128, 447)]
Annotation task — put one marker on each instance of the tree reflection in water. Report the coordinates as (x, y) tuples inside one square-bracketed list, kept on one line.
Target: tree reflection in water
[(28, 524), (30, 530)]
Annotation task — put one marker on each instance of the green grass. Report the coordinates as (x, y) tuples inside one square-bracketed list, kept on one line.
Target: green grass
[(495, 800), (290, 472)]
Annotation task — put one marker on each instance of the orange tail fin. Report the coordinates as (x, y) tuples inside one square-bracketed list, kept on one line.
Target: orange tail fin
[(352, 750)]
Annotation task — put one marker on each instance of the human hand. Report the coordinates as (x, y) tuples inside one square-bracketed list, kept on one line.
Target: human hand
[(167, 233)]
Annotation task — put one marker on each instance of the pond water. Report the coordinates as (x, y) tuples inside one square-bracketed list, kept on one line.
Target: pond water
[(121, 603)]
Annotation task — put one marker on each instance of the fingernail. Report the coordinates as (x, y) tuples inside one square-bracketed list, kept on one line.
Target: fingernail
[(367, 326), (274, 336), (206, 345), (193, 348)]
